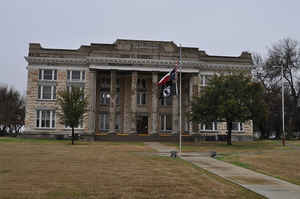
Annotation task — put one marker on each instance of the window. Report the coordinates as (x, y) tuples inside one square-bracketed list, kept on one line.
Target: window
[(118, 98), (47, 92), (45, 119), (186, 125), (237, 126), (105, 82), (47, 74), (104, 121), (204, 80), (117, 125), (166, 101), (104, 98), (69, 88), (79, 126), (141, 84), (75, 75), (209, 126), (141, 98), (118, 84), (165, 122)]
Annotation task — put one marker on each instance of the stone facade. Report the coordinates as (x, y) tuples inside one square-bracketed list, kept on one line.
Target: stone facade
[(120, 80)]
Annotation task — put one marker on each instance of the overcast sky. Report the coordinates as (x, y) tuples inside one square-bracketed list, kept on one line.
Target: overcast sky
[(218, 27)]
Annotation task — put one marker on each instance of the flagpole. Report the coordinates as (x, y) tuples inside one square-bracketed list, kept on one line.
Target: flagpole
[(180, 69)]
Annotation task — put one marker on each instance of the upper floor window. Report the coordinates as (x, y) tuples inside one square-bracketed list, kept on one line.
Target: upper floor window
[(118, 84), (204, 80), (45, 118), (141, 98), (141, 84), (69, 87), (75, 75), (208, 126), (166, 101), (47, 92), (105, 82), (47, 74), (118, 98), (104, 98), (237, 126)]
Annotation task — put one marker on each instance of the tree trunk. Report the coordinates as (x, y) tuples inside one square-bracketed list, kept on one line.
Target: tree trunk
[(229, 129), (73, 135)]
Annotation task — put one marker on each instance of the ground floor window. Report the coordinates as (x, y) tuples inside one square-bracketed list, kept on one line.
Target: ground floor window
[(237, 126), (117, 122), (208, 126), (104, 121), (79, 126), (45, 118), (165, 122)]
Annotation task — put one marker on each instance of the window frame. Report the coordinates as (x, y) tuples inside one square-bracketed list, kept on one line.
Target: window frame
[(164, 101), (240, 126), (105, 117), (81, 75), (40, 119), (41, 92), (139, 98), (106, 100), (163, 123), (53, 74), (214, 127), (80, 125)]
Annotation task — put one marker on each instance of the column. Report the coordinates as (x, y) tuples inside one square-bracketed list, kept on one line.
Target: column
[(190, 102), (112, 104), (133, 102), (92, 102), (175, 112), (154, 103)]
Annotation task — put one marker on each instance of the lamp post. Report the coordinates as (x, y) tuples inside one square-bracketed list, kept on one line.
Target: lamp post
[(282, 104)]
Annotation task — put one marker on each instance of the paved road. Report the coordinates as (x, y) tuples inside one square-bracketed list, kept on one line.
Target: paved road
[(265, 185)]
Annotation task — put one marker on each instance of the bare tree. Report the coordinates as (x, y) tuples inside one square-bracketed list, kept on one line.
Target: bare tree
[(284, 53), (12, 110)]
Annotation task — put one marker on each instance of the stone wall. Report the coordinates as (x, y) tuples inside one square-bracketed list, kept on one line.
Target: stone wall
[(33, 103)]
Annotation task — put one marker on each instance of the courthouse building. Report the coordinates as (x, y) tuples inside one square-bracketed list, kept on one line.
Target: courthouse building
[(120, 80)]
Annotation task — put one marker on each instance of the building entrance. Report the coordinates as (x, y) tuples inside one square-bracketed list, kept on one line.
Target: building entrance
[(142, 124)]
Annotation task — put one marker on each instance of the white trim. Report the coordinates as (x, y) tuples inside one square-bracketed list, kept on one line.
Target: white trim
[(140, 68), (45, 67), (124, 61)]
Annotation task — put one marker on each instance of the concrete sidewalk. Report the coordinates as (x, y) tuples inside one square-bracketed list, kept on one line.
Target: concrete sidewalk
[(267, 186)]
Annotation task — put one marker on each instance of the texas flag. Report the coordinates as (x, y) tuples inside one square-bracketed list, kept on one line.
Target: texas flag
[(169, 76)]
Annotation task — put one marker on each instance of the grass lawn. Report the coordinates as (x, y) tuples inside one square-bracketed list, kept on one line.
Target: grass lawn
[(268, 156), (37, 169)]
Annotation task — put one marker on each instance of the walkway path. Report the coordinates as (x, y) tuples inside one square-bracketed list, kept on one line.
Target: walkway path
[(262, 184)]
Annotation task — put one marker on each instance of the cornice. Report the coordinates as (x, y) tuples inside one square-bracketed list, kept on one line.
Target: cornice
[(134, 61), (56, 60)]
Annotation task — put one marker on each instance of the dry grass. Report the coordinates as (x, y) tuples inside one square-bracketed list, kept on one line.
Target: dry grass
[(51, 169), (268, 157)]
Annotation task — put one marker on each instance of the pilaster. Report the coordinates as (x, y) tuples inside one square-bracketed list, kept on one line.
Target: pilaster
[(175, 109), (92, 102), (154, 103), (112, 104), (132, 123)]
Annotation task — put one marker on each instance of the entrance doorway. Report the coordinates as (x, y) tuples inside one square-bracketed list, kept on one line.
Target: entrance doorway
[(142, 124)]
